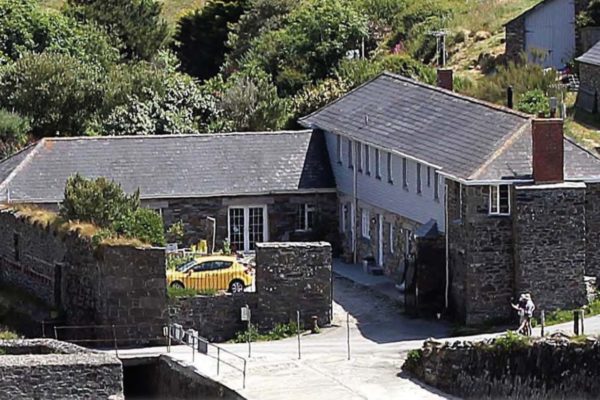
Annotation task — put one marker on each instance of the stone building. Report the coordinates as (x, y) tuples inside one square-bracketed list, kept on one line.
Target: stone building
[(547, 33), (249, 187), (513, 199), (589, 77)]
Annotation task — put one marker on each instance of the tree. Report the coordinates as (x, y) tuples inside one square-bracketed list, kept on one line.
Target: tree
[(104, 203), (590, 16), (201, 36), (13, 133), (250, 102), (137, 23), (59, 94), (25, 27)]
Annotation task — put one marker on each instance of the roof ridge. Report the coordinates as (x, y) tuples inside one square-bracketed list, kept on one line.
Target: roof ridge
[(458, 95), (36, 148), (178, 136)]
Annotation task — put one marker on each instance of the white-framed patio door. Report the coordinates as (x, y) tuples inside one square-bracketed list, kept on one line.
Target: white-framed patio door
[(247, 225), (380, 240)]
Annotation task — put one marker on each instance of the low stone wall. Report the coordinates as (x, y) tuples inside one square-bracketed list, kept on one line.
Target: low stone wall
[(293, 277), (510, 368), (217, 318), (48, 369)]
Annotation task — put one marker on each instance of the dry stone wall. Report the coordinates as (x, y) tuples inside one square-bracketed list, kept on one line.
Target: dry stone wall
[(552, 368)]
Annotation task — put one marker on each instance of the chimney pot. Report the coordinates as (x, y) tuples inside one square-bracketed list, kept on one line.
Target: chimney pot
[(548, 150), (445, 78), (509, 97)]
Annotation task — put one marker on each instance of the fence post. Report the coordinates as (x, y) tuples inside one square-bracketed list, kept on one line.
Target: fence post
[(193, 349), (298, 328), (576, 322), (348, 333), (44, 328), (218, 360), (582, 316), (543, 322), (55, 333), (115, 341)]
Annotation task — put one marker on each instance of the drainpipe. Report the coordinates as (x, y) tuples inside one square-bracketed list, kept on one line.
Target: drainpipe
[(447, 229), (354, 200), (214, 224)]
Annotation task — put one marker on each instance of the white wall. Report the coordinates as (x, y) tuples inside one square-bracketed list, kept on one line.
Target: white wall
[(392, 197)]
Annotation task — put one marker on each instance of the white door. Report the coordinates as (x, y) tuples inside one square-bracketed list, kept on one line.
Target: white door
[(550, 29), (380, 240), (247, 226)]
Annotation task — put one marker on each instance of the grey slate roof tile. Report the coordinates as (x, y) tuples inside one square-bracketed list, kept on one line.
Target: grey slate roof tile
[(174, 166), (454, 132), (592, 56)]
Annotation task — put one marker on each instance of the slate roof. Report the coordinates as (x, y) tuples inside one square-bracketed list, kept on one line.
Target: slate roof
[(463, 137), (172, 166), (592, 56)]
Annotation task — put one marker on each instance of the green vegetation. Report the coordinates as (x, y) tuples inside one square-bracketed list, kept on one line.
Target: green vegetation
[(13, 132), (174, 292), (281, 331), (562, 316), (104, 204), (173, 261), (511, 341), (8, 335), (414, 356)]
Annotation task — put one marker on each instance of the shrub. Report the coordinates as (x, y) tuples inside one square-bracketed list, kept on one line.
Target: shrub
[(143, 224), (511, 341), (176, 232), (13, 133), (534, 102)]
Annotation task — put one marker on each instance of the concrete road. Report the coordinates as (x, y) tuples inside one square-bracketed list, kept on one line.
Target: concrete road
[(380, 337)]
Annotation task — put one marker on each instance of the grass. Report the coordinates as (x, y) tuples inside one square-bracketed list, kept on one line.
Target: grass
[(172, 9), (8, 335), (562, 316), (281, 331), (174, 293)]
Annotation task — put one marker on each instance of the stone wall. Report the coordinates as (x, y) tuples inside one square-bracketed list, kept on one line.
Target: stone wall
[(592, 223), (217, 318), (589, 37), (515, 38), (291, 277), (481, 256), (282, 213), (47, 369), (88, 285), (589, 88), (552, 368), (550, 245)]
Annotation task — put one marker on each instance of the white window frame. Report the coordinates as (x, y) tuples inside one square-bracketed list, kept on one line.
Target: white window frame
[(494, 200), (246, 209), (365, 223), (390, 168), (340, 152), (377, 163), (419, 183), (306, 209), (392, 234), (367, 159)]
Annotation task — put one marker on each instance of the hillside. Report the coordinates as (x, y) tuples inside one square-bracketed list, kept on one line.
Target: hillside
[(172, 9)]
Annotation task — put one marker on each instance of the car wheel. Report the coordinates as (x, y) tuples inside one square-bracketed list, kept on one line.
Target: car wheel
[(236, 286), (177, 285)]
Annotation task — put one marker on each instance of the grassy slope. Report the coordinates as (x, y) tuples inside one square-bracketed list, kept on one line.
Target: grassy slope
[(172, 9)]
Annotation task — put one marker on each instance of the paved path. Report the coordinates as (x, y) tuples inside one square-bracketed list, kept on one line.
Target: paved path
[(380, 337)]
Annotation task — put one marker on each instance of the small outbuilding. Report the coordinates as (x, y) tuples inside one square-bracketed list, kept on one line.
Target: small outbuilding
[(589, 76)]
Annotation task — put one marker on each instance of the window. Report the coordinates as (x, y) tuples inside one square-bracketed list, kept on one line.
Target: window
[(392, 235), (359, 156), (247, 226), (16, 239), (428, 176), (339, 149), (500, 200), (377, 164), (390, 168), (306, 216), (366, 224), (350, 155), (404, 173), (418, 178), (367, 160), (436, 186)]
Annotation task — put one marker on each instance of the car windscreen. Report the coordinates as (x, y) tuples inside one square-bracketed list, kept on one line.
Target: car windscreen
[(187, 266)]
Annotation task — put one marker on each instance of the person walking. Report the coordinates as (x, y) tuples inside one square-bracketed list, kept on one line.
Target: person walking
[(525, 307)]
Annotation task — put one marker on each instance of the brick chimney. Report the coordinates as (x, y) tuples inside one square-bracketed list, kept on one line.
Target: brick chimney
[(445, 78), (548, 150)]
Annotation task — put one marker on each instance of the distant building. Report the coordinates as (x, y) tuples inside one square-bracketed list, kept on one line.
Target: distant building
[(546, 33), (589, 77)]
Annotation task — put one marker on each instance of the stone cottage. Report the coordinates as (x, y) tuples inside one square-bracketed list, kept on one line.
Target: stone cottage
[(251, 187), (546, 33), (589, 77), (511, 197)]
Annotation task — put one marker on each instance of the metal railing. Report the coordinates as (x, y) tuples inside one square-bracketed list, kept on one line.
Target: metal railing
[(190, 338)]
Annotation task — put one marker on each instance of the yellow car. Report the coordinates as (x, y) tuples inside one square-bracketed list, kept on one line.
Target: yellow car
[(212, 273)]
